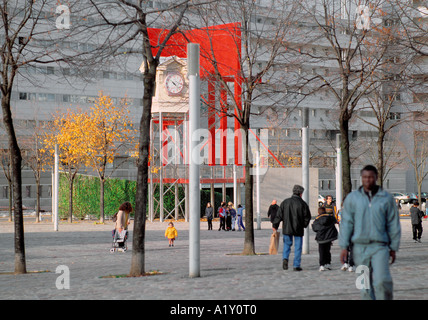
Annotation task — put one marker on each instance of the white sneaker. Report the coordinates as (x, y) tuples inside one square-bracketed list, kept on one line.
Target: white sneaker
[(345, 267), (351, 269), (322, 268), (327, 266)]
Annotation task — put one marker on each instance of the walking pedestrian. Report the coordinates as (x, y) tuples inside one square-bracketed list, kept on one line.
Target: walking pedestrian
[(273, 209), (416, 216), (232, 212), (325, 228), (209, 212), (295, 216), (240, 215), (171, 234), (122, 221), (330, 206), (222, 215), (370, 221), (228, 217)]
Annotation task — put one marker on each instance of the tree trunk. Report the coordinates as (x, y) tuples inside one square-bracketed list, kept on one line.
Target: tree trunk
[(70, 198), (380, 161), (37, 200), (10, 200), (346, 159), (16, 161), (102, 183), (249, 214), (138, 251)]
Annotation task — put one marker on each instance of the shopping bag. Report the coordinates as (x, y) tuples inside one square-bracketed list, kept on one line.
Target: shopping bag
[(274, 242)]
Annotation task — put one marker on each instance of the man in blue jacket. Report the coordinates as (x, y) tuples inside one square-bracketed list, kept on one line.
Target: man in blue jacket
[(295, 216), (371, 222)]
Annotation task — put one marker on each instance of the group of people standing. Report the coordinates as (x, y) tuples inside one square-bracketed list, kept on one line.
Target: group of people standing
[(369, 231), (229, 216)]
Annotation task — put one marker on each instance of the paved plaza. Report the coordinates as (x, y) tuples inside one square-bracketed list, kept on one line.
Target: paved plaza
[(225, 275)]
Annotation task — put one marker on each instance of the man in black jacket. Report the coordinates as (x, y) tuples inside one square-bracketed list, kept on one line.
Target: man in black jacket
[(295, 216), (273, 209), (416, 216)]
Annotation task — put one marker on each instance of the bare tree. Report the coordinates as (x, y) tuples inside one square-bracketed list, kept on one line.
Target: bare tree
[(259, 74), (19, 22), (5, 162), (37, 157), (354, 44), (417, 148), (131, 25)]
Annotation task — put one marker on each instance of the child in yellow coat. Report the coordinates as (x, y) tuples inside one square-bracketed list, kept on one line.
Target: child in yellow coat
[(171, 234)]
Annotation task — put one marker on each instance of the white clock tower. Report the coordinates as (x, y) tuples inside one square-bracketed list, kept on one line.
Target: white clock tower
[(172, 87)]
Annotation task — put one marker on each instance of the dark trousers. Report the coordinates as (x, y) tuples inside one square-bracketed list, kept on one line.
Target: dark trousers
[(325, 254), (349, 258), (417, 230), (210, 224), (222, 223), (228, 222)]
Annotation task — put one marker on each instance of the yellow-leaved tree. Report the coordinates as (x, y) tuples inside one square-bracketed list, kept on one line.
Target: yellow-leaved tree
[(66, 132), (109, 133)]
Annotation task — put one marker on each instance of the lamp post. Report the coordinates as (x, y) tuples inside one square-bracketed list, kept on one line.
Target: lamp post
[(305, 171), (194, 170), (56, 189), (338, 173)]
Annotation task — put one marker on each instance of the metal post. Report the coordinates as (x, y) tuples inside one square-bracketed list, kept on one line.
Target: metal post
[(161, 210), (151, 185), (194, 170), (56, 188), (305, 171), (259, 222), (338, 172), (234, 186), (53, 195)]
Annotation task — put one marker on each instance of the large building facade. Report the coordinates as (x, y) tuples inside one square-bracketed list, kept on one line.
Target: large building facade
[(41, 90)]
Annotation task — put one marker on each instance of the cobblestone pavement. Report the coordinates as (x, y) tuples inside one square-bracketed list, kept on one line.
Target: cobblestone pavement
[(84, 248)]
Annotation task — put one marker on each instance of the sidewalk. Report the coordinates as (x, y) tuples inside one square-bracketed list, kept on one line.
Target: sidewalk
[(84, 248)]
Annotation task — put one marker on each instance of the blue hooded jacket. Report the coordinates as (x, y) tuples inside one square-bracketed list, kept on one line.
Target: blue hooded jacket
[(366, 221)]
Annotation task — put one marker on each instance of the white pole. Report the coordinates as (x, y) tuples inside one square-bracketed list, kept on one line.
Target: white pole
[(194, 172), (338, 173), (259, 225), (305, 172), (235, 203), (56, 189)]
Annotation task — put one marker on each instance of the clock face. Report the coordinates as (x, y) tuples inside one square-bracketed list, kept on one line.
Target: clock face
[(174, 83)]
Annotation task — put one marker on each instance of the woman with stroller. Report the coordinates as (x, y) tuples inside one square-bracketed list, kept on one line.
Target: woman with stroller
[(122, 220)]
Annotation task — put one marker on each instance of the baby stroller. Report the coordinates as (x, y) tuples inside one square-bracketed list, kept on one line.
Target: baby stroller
[(119, 241)]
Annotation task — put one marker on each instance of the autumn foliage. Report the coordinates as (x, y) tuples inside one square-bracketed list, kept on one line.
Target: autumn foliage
[(91, 140)]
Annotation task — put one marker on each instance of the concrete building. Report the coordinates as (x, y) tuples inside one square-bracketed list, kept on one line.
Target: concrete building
[(41, 90)]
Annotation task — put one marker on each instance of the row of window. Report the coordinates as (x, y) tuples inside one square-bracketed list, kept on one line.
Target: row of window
[(60, 71), (45, 191), (330, 184), (71, 98)]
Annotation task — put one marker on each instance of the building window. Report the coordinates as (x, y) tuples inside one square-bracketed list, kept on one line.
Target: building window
[(28, 191), (394, 115)]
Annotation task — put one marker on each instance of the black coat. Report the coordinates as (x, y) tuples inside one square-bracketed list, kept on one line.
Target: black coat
[(295, 216), (273, 209), (416, 215), (324, 226)]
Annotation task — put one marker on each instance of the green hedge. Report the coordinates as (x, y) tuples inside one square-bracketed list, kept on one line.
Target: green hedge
[(86, 196)]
